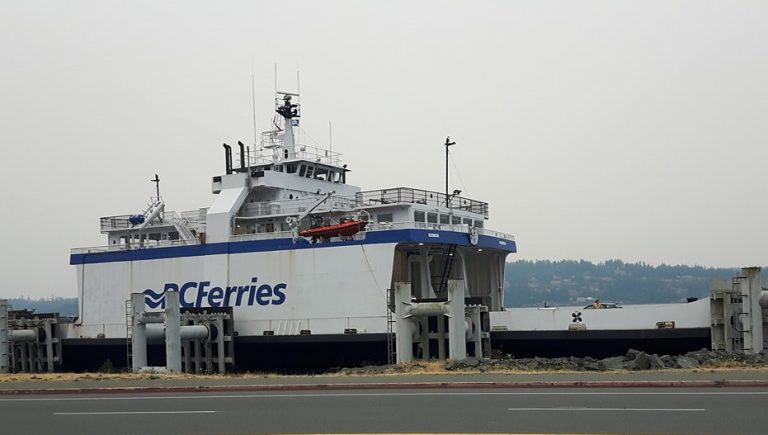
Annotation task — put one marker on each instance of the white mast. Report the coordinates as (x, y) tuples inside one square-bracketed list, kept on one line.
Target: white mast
[(290, 113)]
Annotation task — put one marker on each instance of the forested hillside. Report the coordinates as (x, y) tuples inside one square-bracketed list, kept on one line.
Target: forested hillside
[(63, 306), (566, 282)]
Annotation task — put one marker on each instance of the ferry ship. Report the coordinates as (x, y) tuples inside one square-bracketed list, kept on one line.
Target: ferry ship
[(294, 269), (313, 270)]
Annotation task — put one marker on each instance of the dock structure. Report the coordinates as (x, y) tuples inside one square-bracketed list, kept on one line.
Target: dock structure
[(29, 342), (739, 312)]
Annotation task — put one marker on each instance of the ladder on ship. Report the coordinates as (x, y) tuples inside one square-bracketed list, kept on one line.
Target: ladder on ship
[(450, 252), (391, 349), (128, 333)]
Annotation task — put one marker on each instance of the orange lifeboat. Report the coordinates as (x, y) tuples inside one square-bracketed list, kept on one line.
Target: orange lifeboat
[(346, 228)]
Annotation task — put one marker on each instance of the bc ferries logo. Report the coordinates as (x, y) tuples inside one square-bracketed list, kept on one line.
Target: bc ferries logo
[(201, 294)]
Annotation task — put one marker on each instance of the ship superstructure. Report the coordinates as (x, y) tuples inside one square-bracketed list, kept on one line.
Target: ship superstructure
[(293, 250)]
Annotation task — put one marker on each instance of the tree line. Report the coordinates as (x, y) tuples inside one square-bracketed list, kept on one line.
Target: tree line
[(569, 282)]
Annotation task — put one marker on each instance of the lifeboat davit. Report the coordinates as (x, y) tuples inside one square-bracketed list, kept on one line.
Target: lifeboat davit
[(346, 228)]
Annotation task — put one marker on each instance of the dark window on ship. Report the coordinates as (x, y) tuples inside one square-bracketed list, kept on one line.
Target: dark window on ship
[(173, 235), (456, 220), (432, 218), (384, 217), (468, 222), (291, 168), (321, 174), (270, 227), (302, 170), (444, 218), (479, 223), (418, 216)]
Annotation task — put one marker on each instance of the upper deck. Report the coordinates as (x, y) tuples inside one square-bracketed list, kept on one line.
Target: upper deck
[(283, 187), (407, 195), (398, 208)]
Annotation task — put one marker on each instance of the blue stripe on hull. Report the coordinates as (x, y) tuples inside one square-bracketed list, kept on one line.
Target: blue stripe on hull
[(374, 237)]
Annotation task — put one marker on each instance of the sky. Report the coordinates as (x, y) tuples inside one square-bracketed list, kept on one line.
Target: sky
[(596, 130)]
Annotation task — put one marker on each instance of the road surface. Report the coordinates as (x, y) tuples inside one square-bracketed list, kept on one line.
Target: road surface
[(567, 410)]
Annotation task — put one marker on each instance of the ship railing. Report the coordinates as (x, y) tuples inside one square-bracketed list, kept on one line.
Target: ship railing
[(187, 229), (146, 244), (459, 228), (121, 222), (261, 236), (296, 206), (399, 195), (272, 143), (380, 226), (195, 216)]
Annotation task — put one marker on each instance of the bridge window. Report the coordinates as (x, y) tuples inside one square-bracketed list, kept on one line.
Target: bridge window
[(384, 217), (302, 170), (479, 223), (418, 216), (468, 222), (432, 218), (321, 174), (291, 168), (444, 218), (456, 220)]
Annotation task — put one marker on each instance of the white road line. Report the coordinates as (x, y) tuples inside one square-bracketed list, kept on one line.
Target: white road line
[(195, 396), (133, 412), (579, 409)]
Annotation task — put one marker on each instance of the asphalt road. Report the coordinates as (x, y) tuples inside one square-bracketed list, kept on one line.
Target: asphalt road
[(578, 410)]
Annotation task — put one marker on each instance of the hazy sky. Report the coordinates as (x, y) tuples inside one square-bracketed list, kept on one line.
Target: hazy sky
[(595, 130)]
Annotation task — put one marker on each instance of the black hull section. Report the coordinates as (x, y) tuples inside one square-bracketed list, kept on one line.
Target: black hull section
[(319, 353), (599, 344), (309, 353)]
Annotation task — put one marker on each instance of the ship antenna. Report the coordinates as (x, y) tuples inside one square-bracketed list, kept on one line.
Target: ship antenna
[(447, 144), (298, 101), (156, 180), (253, 103)]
